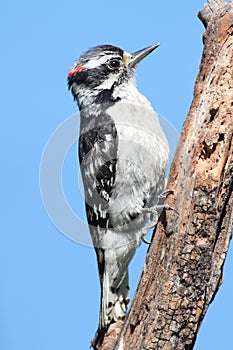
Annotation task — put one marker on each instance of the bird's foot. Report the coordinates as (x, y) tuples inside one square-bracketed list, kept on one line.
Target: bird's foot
[(154, 210)]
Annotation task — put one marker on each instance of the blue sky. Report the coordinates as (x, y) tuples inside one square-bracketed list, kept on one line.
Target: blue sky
[(49, 296)]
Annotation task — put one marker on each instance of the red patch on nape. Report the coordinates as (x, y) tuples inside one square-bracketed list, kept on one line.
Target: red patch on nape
[(75, 70)]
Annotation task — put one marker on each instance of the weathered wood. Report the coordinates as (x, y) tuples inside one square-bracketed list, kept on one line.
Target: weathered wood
[(183, 268), (213, 6)]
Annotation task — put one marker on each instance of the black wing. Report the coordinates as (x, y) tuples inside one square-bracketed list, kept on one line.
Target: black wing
[(97, 155)]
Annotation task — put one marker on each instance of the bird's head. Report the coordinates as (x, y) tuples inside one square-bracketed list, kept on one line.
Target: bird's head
[(100, 70)]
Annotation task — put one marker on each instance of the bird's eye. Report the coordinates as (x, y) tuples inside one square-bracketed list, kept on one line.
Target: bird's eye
[(114, 63)]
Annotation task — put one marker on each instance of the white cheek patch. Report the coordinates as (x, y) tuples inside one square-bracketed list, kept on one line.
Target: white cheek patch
[(108, 83)]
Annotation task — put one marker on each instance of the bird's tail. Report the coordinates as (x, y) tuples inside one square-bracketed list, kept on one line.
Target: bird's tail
[(114, 299), (113, 271)]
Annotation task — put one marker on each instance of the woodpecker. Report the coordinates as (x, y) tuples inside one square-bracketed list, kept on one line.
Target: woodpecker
[(123, 156)]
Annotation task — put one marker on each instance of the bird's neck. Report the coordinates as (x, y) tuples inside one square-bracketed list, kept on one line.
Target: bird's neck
[(100, 98)]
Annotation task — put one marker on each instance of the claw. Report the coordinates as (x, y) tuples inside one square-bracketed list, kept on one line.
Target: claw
[(167, 207), (165, 193), (146, 241)]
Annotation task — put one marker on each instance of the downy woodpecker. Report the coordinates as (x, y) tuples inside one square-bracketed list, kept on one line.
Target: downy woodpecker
[(123, 155)]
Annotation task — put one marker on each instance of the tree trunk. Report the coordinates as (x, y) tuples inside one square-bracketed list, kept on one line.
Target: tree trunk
[(183, 268)]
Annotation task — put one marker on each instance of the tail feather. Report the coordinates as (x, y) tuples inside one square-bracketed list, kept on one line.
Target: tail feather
[(113, 261), (114, 300)]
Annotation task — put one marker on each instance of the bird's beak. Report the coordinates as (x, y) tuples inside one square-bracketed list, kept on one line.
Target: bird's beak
[(139, 55)]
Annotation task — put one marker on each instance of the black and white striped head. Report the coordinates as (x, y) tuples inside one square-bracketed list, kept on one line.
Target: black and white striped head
[(102, 68)]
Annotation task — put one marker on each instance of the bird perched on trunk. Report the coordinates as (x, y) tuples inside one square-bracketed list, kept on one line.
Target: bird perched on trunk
[(123, 155)]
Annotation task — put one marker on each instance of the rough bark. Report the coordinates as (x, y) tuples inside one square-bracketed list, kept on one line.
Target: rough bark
[(183, 268)]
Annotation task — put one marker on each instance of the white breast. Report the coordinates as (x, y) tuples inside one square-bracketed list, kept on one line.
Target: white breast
[(143, 154)]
